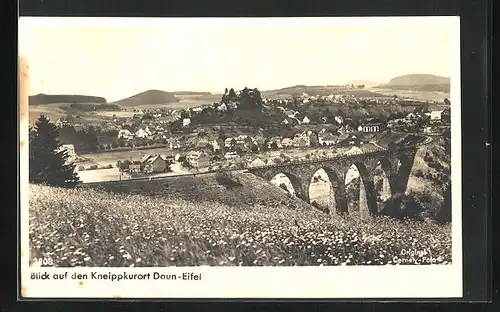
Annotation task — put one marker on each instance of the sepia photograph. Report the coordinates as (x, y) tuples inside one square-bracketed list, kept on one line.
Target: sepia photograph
[(240, 142)]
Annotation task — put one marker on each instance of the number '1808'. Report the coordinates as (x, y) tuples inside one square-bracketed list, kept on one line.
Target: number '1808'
[(43, 261)]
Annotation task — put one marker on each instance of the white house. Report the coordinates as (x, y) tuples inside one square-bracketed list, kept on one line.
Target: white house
[(287, 142), (186, 122), (125, 134), (61, 123), (306, 120), (436, 115), (230, 155), (197, 109), (339, 119), (215, 144), (345, 129), (327, 138), (411, 116), (243, 139), (277, 140), (222, 107), (228, 142), (371, 127), (174, 144), (141, 134)]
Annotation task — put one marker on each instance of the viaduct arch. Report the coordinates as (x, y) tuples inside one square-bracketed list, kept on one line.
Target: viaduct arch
[(396, 164)]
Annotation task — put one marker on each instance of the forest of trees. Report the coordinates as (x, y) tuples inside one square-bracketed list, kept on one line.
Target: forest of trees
[(83, 140)]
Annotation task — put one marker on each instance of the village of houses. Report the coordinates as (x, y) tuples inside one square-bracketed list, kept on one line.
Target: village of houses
[(146, 149)]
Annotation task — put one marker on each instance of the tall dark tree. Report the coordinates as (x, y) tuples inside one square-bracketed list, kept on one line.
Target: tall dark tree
[(91, 139), (48, 163)]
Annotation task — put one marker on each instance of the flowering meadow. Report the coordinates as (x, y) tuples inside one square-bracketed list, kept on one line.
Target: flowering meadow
[(84, 227)]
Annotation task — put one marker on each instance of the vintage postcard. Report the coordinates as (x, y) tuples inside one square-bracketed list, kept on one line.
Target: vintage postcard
[(240, 157)]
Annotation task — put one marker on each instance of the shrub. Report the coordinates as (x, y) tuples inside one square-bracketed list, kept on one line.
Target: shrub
[(93, 167), (428, 157), (283, 186), (435, 165), (444, 213), (403, 206), (227, 179), (186, 164), (418, 173)]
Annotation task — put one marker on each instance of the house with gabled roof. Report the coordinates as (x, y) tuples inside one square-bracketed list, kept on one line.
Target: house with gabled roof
[(327, 138), (153, 163), (198, 159), (256, 162)]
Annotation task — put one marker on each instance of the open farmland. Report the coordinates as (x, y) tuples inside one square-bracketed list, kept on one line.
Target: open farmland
[(52, 111), (119, 114), (82, 227), (59, 110), (185, 102), (419, 95), (97, 175)]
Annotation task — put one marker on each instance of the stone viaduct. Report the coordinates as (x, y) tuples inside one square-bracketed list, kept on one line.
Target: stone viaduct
[(396, 164)]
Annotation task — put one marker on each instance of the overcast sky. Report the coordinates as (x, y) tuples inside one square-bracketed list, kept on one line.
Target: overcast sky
[(117, 58)]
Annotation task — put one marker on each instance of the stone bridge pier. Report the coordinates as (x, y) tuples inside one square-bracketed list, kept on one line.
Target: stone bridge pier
[(396, 165)]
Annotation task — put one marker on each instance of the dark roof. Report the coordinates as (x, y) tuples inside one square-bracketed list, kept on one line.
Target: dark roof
[(153, 159)]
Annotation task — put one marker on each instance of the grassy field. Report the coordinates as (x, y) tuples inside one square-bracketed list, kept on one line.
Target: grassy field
[(419, 95), (186, 101), (98, 175), (59, 110), (83, 227), (119, 114), (52, 111)]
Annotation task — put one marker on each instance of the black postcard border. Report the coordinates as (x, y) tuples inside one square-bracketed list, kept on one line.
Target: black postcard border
[(475, 19)]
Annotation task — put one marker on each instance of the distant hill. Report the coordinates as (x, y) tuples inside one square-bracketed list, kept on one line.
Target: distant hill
[(418, 79), (148, 97), (64, 98), (312, 90), (191, 93), (418, 82)]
